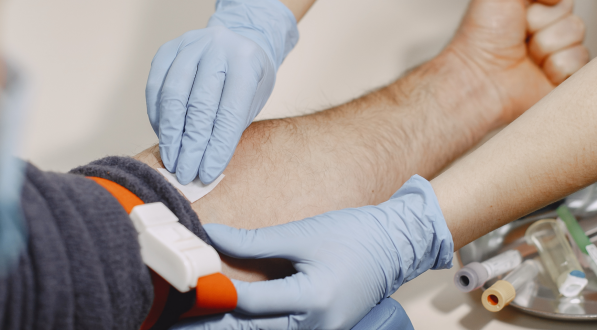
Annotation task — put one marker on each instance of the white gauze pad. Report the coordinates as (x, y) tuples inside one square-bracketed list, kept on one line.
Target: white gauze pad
[(194, 190)]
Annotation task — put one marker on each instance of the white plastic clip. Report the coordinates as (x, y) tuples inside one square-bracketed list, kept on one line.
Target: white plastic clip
[(170, 249)]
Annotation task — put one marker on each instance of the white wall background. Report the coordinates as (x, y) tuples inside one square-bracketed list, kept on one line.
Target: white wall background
[(88, 62)]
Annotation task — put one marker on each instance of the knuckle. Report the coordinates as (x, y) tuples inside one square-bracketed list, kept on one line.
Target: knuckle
[(252, 56), (165, 46), (217, 30), (190, 34), (584, 54), (187, 35), (578, 53), (248, 50), (241, 48), (576, 23)]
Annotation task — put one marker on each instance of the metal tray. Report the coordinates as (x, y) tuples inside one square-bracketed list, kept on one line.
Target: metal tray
[(541, 297)]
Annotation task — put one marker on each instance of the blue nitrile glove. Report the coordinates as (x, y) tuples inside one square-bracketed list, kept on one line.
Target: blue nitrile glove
[(13, 231), (207, 86), (387, 315), (347, 261)]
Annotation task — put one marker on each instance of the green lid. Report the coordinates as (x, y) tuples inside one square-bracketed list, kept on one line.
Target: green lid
[(574, 228)]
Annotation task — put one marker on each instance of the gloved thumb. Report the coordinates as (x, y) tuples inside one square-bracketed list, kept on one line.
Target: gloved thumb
[(270, 242)]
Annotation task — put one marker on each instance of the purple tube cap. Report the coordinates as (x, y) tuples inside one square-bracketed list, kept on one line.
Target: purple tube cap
[(471, 277)]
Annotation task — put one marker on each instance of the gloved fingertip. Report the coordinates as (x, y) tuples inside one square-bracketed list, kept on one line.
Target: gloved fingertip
[(206, 177), (168, 165), (168, 162), (184, 177), (226, 239), (240, 286)]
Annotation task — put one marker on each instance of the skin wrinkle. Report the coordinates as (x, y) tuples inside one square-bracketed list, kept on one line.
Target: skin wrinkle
[(481, 73), (538, 49), (478, 73)]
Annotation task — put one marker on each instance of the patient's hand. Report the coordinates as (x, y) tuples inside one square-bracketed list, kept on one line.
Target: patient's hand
[(523, 51)]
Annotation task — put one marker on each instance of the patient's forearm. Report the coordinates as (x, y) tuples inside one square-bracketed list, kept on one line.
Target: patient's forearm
[(356, 154), (546, 154)]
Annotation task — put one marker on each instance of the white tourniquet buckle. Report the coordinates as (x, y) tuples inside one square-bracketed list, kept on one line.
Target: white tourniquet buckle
[(170, 249)]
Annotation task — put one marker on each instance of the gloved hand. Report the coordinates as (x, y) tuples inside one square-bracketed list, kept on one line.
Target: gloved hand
[(347, 261), (206, 87), (387, 315)]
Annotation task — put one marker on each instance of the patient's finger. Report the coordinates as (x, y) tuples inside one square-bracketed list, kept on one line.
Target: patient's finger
[(562, 34), (540, 15), (562, 64)]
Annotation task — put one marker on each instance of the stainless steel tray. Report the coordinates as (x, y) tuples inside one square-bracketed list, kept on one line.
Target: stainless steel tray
[(541, 297)]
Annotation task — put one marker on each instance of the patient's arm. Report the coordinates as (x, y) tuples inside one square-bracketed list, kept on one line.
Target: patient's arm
[(361, 152), (356, 154), (546, 154)]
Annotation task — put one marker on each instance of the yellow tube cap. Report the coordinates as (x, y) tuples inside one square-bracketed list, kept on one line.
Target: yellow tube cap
[(498, 296)]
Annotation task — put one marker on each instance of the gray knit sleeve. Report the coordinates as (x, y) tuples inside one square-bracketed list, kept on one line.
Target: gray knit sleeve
[(82, 267), (147, 184)]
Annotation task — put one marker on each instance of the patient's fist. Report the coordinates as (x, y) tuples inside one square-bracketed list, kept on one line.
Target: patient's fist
[(523, 48), (556, 39)]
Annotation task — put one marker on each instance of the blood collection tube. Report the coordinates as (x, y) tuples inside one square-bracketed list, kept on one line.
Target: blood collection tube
[(502, 292), (579, 237), (557, 256), (475, 274)]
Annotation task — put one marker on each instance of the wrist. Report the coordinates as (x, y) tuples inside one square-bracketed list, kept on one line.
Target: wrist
[(425, 120), (475, 96), (269, 23), (445, 107)]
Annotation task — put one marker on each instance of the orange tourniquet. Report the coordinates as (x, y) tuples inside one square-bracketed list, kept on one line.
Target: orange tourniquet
[(215, 293)]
